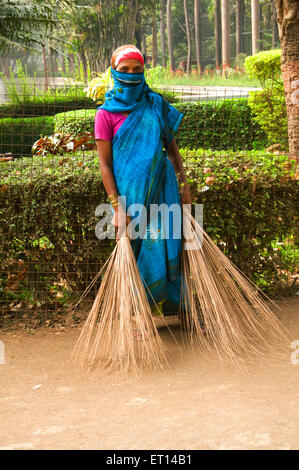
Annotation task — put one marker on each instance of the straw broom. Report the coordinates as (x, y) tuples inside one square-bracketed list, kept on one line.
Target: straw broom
[(108, 340), (238, 322)]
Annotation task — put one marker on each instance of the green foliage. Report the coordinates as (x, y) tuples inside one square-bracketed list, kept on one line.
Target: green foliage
[(249, 210), (240, 60), (265, 66), (215, 125), (47, 220), (18, 134), (170, 95), (76, 71), (269, 111), (236, 78), (47, 106), (155, 75), (75, 122), (28, 24), (268, 106), (23, 90), (226, 124)]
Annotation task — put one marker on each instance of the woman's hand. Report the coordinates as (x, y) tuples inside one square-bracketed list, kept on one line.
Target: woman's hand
[(120, 220)]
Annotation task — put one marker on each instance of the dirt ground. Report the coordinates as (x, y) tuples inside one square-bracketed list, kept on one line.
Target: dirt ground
[(194, 404)]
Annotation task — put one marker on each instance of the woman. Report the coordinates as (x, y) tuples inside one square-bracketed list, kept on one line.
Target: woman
[(131, 128)]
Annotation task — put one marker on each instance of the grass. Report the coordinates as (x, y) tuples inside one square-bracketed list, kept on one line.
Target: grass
[(209, 81)]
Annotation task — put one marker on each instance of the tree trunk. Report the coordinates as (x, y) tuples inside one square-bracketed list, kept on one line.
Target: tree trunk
[(197, 27), (162, 30), (225, 17), (138, 30), (255, 25), (260, 44), (154, 32), (169, 34), (217, 12), (188, 36), (45, 69), (239, 14), (288, 26), (275, 37), (4, 65), (144, 44)]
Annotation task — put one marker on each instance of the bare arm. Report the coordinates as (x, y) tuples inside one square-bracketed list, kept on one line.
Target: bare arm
[(105, 158), (176, 159)]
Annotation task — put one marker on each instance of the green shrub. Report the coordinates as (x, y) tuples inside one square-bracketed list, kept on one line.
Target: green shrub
[(268, 106), (18, 134), (215, 125), (47, 220), (226, 124), (75, 122), (47, 106)]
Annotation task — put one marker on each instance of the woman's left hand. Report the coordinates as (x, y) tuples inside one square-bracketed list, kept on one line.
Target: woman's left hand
[(186, 196)]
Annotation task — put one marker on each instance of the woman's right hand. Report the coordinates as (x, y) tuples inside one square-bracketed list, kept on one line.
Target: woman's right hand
[(120, 220)]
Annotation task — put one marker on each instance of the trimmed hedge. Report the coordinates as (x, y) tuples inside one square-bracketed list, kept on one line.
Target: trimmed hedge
[(46, 107), (217, 125), (18, 134), (47, 220), (49, 106), (75, 122), (214, 125)]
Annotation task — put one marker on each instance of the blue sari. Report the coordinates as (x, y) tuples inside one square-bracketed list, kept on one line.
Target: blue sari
[(145, 175)]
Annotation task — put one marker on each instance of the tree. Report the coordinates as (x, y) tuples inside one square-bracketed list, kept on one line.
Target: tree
[(102, 28), (255, 26), (28, 24), (217, 14), (169, 34), (154, 34), (239, 15), (188, 36), (288, 26), (197, 29), (275, 38), (225, 16), (162, 30), (138, 30)]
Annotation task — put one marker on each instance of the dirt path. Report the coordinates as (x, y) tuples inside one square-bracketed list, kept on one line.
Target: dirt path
[(196, 404)]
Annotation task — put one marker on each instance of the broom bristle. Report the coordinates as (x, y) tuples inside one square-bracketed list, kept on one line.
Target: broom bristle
[(119, 333), (238, 322)]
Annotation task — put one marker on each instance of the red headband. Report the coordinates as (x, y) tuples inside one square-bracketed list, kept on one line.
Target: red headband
[(129, 53)]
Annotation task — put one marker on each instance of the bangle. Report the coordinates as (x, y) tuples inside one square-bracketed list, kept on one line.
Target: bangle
[(113, 198)]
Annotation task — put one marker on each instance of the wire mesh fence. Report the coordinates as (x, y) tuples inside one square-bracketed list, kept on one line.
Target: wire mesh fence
[(50, 188)]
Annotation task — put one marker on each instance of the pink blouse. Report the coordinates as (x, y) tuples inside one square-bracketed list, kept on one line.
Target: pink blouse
[(107, 124)]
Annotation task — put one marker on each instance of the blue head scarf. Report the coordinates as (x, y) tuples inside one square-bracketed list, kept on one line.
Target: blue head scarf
[(129, 92)]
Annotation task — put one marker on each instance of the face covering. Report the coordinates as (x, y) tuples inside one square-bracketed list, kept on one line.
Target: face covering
[(129, 92)]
